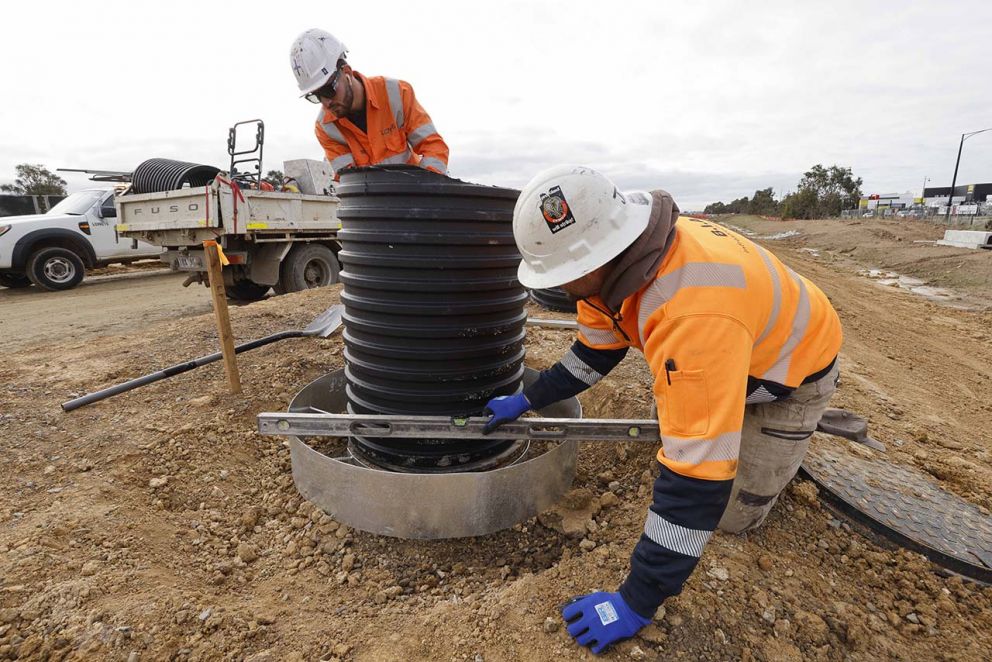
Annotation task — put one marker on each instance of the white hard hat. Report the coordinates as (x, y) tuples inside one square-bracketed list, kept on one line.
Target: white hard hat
[(314, 57), (571, 220)]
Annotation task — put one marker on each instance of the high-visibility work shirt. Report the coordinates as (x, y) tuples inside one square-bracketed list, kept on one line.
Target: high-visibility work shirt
[(723, 324), (399, 130)]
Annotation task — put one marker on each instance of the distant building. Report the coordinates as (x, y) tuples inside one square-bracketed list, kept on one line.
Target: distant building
[(887, 200), (966, 193), (968, 199)]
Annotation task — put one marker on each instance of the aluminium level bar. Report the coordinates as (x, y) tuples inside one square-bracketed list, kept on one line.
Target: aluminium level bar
[(369, 425), (552, 324)]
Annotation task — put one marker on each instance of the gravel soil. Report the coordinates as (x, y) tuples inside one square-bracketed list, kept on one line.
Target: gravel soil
[(158, 525)]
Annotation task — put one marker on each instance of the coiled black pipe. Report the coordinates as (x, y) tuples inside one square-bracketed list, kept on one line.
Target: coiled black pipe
[(434, 314), (554, 298), (155, 175)]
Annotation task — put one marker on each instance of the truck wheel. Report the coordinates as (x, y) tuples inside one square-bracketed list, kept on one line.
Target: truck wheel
[(308, 266), (55, 268), (246, 290), (14, 281)]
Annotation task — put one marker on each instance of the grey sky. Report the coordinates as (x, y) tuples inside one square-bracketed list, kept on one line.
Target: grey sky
[(710, 100)]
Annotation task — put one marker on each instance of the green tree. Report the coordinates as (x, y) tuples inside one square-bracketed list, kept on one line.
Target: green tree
[(735, 206), (834, 188), (35, 179), (804, 203), (763, 203), (740, 205), (276, 178)]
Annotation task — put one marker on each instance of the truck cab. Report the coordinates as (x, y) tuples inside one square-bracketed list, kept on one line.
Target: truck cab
[(53, 250)]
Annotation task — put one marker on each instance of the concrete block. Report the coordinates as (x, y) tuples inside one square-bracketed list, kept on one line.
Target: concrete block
[(968, 236)]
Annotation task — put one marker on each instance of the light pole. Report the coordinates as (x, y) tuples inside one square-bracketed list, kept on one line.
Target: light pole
[(954, 180)]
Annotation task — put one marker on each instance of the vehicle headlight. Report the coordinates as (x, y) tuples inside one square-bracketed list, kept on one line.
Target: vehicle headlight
[(4, 229)]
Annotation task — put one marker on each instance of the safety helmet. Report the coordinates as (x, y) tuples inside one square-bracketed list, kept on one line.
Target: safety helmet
[(314, 58), (571, 220)]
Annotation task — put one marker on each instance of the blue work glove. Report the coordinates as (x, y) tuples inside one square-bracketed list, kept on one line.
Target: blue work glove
[(503, 409), (600, 619)]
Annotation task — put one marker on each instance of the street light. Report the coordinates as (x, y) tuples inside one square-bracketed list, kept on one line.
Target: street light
[(954, 180)]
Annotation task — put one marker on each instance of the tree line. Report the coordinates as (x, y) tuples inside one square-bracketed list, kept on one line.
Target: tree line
[(821, 193)]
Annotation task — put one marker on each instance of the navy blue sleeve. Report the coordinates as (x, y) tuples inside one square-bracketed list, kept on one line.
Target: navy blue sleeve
[(579, 369), (682, 517)]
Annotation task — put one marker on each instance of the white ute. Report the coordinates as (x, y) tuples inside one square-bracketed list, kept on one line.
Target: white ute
[(53, 250)]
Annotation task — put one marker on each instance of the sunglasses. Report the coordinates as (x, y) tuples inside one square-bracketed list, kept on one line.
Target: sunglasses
[(327, 91)]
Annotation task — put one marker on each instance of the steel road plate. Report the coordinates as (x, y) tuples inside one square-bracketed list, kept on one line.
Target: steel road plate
[(906, 506)]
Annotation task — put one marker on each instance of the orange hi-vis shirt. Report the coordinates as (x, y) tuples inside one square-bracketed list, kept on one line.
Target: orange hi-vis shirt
[(399, 130), (723, 323)]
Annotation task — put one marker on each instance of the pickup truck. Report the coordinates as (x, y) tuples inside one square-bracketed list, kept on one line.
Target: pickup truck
[(53, 250)]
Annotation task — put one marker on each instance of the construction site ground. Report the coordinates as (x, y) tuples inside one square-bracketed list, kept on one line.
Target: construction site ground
[(159, 525)]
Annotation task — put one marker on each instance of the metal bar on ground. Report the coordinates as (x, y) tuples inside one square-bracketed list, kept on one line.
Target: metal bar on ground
[(324, 325), (553, 324), (370, 425), (221, 313)]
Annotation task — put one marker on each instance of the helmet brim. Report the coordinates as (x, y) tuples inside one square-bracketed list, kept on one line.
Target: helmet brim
[(314, 88)]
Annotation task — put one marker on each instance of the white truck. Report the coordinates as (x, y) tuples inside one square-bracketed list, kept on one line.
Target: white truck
[(271, 239), (286, 240), (54, 249)]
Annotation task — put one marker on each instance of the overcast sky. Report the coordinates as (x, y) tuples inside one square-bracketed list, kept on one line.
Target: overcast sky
[(710, 100)]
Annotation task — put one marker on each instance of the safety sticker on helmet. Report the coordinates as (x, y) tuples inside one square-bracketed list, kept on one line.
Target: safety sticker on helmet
[(557, 214)]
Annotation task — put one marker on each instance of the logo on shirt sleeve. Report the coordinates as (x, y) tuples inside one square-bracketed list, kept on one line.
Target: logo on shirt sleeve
[(557, 214)]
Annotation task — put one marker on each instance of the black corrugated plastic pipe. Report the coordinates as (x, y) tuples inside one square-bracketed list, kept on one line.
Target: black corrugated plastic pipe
[(155, 175), (434, 314), (554, 298)]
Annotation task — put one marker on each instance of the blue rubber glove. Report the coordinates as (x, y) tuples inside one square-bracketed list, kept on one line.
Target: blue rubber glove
[(599, 619), (503, 409)]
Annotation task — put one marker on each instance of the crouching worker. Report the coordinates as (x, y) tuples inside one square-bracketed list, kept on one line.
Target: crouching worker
[(743, 351)]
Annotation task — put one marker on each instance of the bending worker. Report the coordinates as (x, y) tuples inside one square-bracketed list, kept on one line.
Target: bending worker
[(743, 351), (363, 121)]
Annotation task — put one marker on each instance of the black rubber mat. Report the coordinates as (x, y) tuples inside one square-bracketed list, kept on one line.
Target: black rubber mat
[(906, 506)]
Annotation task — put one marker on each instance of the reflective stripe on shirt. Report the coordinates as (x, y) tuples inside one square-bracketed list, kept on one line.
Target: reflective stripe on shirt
[(437, 164), (693, 274), (402, 157), (779, 371), (332, 131), (342, 161), (695, 451), (759, 396), (579, 369), (395, 100), (776, 294), (689, 542), (596, 336), (417, 136)]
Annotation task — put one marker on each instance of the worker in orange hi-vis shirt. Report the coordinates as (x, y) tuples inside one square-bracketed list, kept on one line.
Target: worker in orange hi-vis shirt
[(743, 351), (363, 121)]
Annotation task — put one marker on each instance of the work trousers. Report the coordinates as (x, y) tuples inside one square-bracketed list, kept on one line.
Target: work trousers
[(774, 441)]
